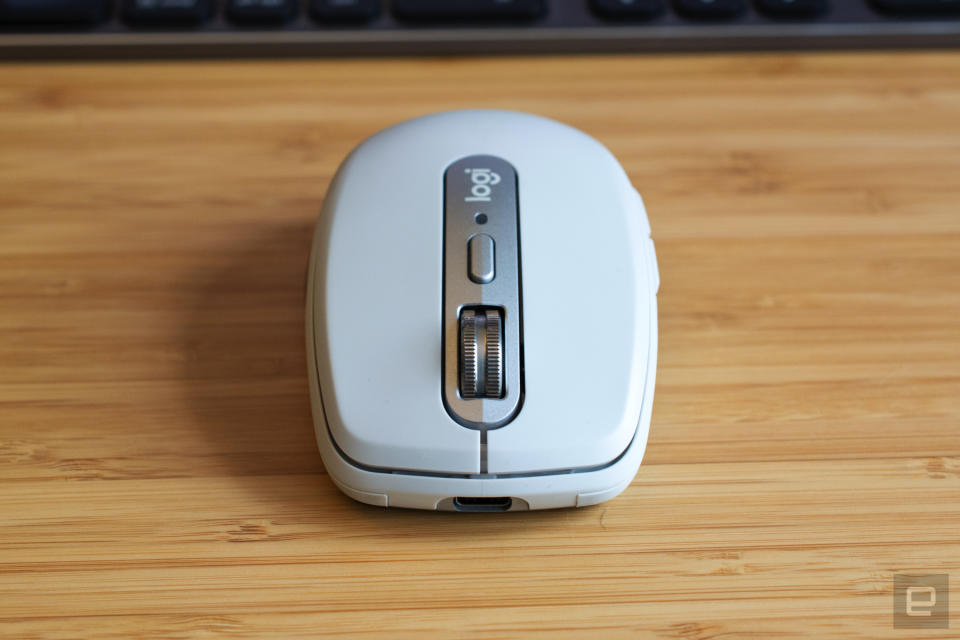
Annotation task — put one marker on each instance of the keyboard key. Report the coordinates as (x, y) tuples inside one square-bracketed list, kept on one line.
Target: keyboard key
[(52, 11), (165, 12), (627, 9), (261, 11), (711, 9), (930, 7), (468, 9), (793, 8), (344, 10)]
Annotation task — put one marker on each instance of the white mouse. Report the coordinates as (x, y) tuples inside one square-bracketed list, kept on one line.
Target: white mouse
[(482, 317)]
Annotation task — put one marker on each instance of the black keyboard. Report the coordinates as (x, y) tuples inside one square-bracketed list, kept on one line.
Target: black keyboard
[(193, 28)]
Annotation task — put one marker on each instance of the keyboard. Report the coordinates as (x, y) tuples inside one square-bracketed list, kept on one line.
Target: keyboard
[(68, 29)]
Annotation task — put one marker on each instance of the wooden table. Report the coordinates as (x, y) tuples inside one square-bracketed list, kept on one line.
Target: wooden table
[(158, 472)]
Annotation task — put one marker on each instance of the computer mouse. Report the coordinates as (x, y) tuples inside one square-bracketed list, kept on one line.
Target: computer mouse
[(481, 317)]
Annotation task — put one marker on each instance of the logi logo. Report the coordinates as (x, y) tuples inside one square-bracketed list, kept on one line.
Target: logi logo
[(483, 182)]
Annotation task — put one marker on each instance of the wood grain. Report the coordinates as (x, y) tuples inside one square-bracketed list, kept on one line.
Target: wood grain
[(158, 475)]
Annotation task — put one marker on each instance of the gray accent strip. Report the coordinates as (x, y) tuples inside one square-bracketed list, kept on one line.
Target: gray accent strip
[(481, 197), (483, 451)]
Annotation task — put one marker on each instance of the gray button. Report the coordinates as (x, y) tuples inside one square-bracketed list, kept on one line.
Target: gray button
[(480, 252)]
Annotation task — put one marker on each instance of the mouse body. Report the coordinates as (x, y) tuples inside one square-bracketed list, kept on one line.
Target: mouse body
[(481, 318)]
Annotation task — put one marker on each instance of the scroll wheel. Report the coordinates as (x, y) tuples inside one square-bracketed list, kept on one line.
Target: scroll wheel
[(481, 353)]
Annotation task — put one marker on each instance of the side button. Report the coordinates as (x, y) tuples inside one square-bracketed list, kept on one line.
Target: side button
[(480, 254), (654, 269)]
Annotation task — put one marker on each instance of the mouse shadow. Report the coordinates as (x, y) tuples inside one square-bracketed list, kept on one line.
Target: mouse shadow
[(244, 362), (245, 381)]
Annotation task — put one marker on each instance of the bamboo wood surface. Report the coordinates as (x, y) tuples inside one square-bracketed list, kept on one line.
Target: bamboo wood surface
[(158, 473)]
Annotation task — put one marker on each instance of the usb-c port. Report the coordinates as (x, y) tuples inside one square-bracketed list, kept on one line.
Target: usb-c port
[(482, 504)]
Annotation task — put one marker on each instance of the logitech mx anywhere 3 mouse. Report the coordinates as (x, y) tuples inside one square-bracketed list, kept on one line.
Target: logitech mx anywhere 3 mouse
[(481, 317)]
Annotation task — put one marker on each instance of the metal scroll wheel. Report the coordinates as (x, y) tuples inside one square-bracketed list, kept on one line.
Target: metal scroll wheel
[(481, 353)]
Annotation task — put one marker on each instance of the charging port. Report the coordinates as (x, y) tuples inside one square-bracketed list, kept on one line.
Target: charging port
[(482, 504)]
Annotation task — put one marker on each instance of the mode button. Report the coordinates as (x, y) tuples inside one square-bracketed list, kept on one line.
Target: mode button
[(480, 257)]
